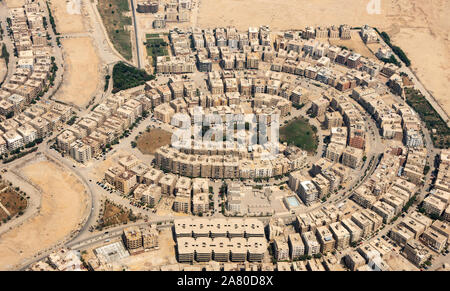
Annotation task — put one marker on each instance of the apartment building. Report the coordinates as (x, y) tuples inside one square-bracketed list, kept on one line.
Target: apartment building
[(296, 246), (281, 249), (312, 246), (326, 240)]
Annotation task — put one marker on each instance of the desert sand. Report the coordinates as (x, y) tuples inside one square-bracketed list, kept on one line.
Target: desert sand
[(81, 76), (414, 25), (155, 258), (3, 69), (68, 16), (64, 201), (354, 44), (15, 3)]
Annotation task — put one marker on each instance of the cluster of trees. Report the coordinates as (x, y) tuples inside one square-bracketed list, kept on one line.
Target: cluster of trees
[(5, 54), (53, 71), (72, 120), (397, 50), (392, 60), (19, 155), (126, 76), (52, 20), (107, 77)]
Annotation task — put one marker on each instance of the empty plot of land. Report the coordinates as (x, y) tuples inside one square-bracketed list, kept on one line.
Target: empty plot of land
[(355, 44), (68, 17), (154, 258), (99, 169), (13, 203), (115, 18), (63, 205), (113, 215), (15, 3), (149, 142), (284, 14), (81, 76)]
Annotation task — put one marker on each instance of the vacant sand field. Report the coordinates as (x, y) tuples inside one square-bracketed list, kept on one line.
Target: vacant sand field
[(98, 171), (3, 69), (64, 201), (355, 44), (14, 3), (154, 258), (149, 142), (414, 25), (81, 76), (68, 16)]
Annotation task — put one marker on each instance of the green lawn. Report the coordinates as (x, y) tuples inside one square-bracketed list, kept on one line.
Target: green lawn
[(112, 13), (301, 134), (441, 139), (156, 47)]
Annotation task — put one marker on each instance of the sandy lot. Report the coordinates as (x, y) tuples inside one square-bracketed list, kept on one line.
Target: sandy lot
[(81, 76), (432, 69), (15, 3), (68, 16), (355, 44), (60, 213), (98, 171), (149, 142), (414, 25), (3, 69), (148, 260)]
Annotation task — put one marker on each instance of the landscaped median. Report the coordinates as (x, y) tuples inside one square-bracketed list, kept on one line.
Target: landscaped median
[(113, 13), (397, 50), (439, 131)]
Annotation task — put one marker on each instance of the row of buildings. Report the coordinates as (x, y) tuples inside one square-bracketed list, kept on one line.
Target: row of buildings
[(148, 185), (22, 124), (221, 240), (437, 202), (232, 165), (33, 64), (86, 138)]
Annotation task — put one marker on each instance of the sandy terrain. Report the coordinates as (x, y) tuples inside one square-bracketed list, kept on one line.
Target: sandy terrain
[(433, 70), (81, 76), (3, 69), (414, 25), (149, 142), (98, 171), (400, 263), (15, 3), (60, 213), (164, 256), (355, 44), (68, 16)]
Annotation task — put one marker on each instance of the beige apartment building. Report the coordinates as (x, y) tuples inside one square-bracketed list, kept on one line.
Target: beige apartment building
[(352, 157), (132, 237), (281, 249), (326, 240), (296, 246), (341, 235)]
